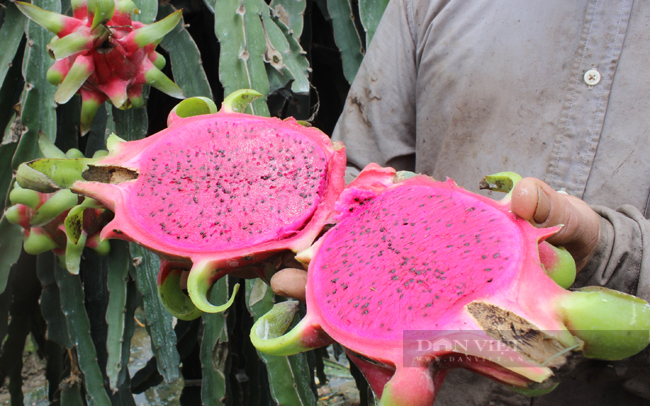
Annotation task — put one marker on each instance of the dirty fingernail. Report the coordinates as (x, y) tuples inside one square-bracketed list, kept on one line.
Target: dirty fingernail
[(543, 207)]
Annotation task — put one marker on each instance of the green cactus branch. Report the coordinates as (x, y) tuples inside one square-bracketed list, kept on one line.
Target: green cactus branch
[(287, 375), (11, 34), (118, 278), (241, 65), (37, 112), (158, 320), (215, 347), (346, 35), (370, 12), (72, 303)]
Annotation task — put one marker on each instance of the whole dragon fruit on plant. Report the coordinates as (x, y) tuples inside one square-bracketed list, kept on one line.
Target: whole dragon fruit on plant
[(104, 55), (214, 193), (60, 221), (419, 277)]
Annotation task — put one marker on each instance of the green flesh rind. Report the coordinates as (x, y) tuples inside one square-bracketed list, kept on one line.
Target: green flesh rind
[(48, 148), (54, 76), (125, 6), (159, 62), (564, 273), (154, 32), (104, 10), (90, 203), (73, 153), (103, 248), (175, 301), (157, 79), (70, 45), (29, 178), (237, 101), (113, 141), (195, 106), (500, 182), (533, 392), (79, 72), (268, 332), (89, 109), (409, 386), (12, 214), (613, 325), (51, 21), (73, 253), (199, 283), (53, 207), (27, 197), (50, 174), (403, 175), (73, 224), (38, 243)]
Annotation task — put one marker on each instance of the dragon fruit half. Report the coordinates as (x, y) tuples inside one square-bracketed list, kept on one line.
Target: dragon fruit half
[(102, 54), (419, 276), (213, 192)]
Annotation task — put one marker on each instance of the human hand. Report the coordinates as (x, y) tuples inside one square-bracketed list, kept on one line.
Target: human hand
[(537, 202)]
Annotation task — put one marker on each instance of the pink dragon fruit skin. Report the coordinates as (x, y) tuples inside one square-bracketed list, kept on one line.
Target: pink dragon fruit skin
[(214, 193), (413, 262), (104, 55)]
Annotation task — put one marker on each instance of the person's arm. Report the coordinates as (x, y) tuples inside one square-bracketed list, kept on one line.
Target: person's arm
[(621, 260)]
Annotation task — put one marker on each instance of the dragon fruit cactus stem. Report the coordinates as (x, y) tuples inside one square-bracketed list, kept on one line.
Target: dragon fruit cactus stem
[(214, 193), (104, 55), (412, 263)]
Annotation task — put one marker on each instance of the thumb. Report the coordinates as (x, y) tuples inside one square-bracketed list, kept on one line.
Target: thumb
[(290, 282), (537, 202)]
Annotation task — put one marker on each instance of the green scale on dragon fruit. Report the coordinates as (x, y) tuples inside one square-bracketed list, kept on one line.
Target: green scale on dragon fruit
[(60, 221), (103, 55), (419, 276), (214, 193)]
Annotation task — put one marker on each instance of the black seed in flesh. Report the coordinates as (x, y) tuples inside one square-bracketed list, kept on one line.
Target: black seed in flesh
[(193, 164), (389, 224)]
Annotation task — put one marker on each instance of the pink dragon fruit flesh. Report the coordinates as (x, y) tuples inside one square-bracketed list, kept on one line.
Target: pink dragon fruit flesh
[(104, 55), (419, 276), (213, 193)]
